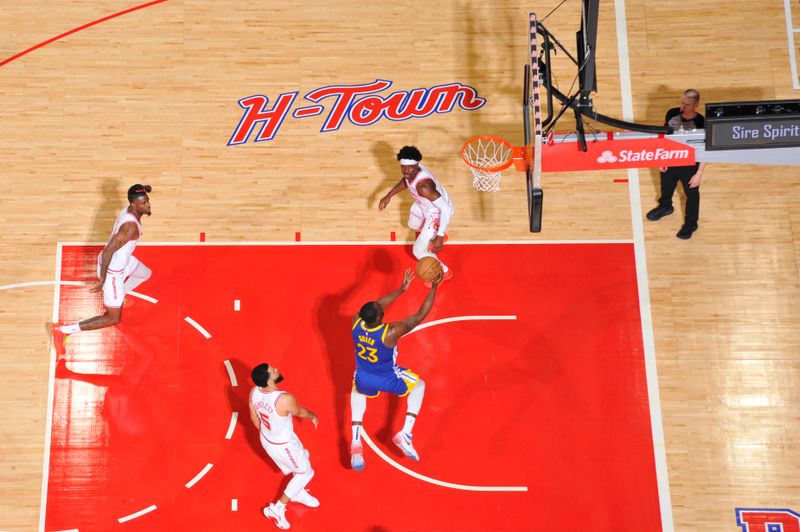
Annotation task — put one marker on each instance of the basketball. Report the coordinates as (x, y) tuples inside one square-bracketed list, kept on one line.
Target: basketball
[(428, 268)]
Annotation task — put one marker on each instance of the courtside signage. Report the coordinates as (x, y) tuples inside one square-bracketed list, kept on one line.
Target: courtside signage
[(611, 154), (767, 520), (360, 105)]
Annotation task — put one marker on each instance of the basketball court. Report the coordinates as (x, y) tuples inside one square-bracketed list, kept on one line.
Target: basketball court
[(523, 412), (585, 370)]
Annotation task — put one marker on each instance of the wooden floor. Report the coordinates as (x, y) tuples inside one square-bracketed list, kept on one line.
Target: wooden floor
[(151, 96)]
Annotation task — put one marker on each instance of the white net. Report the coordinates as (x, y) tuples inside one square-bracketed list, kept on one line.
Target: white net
[(487, 157)]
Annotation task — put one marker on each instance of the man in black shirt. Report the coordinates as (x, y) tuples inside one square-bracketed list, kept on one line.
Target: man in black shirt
[(684, 117)]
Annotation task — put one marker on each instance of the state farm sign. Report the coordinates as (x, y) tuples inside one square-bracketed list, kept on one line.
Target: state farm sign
[(610, 154)]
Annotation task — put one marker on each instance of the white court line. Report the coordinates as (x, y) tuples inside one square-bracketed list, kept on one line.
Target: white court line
[(51, 384), (200, 475), (197, 326), (232, 425), (231, 374), (42, 283), (787, 7), (646, 318), (234, 505), (357, 243), (138, 514), (68, 283), (142, 296), (459, 318), (414, 474)]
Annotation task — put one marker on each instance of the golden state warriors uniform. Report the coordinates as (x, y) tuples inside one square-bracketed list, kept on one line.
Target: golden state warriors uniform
[(376, 369)]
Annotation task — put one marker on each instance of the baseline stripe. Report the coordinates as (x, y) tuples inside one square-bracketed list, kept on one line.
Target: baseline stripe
[(640, 258), (430, 480), (138, 514), (197, 326)]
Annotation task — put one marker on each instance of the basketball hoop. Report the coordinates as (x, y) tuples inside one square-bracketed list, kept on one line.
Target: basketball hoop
[(487, 157)]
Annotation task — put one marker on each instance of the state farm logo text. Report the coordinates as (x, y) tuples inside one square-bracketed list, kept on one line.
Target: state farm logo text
[(359, 104), (659, 154)]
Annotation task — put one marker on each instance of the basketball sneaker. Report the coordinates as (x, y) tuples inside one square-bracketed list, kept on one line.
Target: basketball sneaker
[(446, 277), (307, 499), (403, 441), (357, 457), (276, 516), (59, 339)]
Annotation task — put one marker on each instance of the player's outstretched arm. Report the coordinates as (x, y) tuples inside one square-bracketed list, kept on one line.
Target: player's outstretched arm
[(400, 328), (386, 300), (290, 405), (400, 186)]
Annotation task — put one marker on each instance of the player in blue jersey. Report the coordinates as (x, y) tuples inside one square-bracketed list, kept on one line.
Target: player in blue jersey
[(377, 370)]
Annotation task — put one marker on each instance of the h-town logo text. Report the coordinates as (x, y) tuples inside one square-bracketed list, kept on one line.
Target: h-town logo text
[(358, 104), (659, 154)]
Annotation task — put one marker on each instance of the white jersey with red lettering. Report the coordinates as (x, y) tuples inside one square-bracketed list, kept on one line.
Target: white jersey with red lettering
[(276, 429), (278, 438), (122, 257), (428, 208)]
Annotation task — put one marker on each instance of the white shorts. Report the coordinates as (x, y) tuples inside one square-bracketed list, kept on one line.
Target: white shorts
[(114, 287), (291, 456), (420, 220)]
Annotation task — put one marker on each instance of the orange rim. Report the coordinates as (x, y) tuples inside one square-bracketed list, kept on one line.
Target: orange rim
[(498, 168)]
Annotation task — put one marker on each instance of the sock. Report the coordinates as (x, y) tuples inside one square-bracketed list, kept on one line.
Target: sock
[(409, 424), (69, 329), (280, 506), (356, 434)]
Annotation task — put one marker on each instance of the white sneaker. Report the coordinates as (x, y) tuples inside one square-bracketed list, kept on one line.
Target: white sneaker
[(277, 516), (403, 441), (307, 499), (357, 457)]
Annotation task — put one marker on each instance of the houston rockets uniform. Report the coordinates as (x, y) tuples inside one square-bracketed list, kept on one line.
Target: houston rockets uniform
[(122, 264), (424, 215), (376, 368), (277, 435)]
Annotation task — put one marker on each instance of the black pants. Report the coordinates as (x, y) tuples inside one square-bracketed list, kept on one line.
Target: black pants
[(669, 180)]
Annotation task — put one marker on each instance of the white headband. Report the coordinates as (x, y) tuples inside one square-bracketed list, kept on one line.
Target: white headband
[(408, 162)]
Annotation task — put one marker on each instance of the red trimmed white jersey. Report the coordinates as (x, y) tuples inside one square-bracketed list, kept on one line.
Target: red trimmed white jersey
[(428, 208), (276, 429), (122, 257)]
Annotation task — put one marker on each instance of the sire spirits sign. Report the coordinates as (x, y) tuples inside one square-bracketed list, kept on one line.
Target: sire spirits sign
[(358, 104)]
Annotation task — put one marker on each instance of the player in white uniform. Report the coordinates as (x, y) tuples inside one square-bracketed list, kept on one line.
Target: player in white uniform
[(432, 209), (271, 411), (118, 271)]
